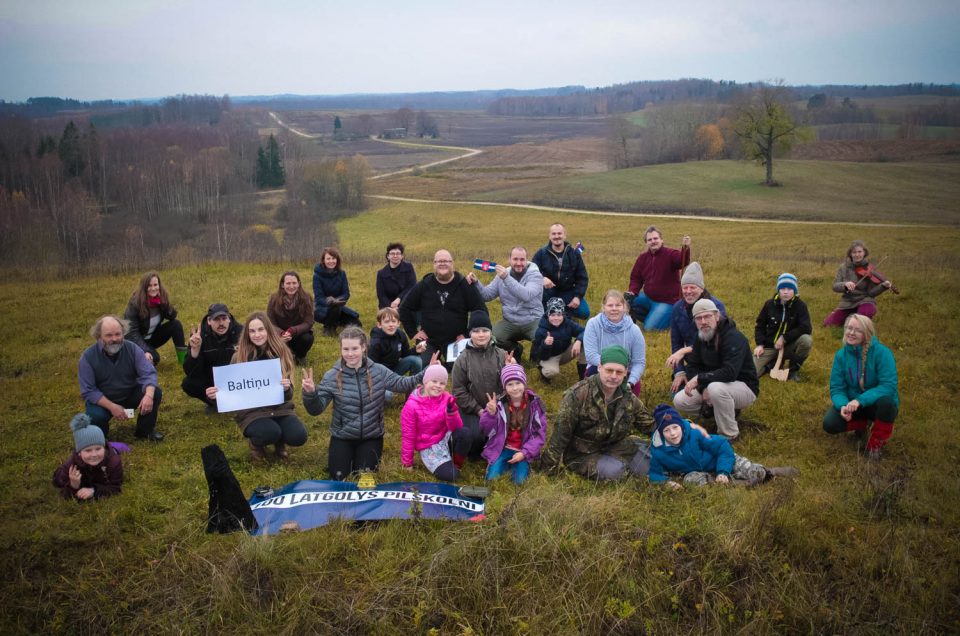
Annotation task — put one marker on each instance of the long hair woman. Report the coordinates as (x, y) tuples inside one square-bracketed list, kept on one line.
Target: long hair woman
[(276, 424), (153, 319), (290, 308), (356, 386)]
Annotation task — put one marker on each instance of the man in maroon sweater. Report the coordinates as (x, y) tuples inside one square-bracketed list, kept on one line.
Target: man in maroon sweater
[(657, 274)]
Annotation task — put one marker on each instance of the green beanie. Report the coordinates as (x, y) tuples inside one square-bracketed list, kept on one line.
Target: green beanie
[(617, 354)]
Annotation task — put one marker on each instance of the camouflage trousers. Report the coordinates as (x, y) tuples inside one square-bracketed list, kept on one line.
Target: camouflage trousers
[(743, 469)]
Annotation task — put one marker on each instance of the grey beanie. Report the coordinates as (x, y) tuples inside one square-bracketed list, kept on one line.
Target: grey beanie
[(693, 275), (704, 305), (85, 433)]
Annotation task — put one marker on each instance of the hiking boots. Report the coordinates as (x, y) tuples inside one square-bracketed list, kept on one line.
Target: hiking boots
[(280, 449), (257, 453)]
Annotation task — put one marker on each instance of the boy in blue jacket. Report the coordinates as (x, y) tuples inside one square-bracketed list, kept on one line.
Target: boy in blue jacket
[(699, 458), (558, 341)]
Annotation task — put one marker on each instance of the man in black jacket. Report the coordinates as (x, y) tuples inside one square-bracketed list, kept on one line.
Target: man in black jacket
[(564, 273), (720, 369), (783, 324), (212, 345), (443, 301)]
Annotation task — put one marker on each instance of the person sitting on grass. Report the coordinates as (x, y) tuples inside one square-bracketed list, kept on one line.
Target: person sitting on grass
[(683, 332), (331, 291), (858, 289), (275, 424), (116, 377), (676, 448), (94, 470), (290, 309), (613, 327), (390, 346), (783, 324), (655, 280), (592, 431), (476, 374), (863, 386), (558, 341), (515, 426), (430, 424), (211, 345), (153, 319)]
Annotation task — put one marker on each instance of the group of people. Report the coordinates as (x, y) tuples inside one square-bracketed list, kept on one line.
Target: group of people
[(490, 411)]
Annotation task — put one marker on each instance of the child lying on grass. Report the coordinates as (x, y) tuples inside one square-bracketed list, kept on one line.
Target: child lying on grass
[(94, 470), (700, 459)]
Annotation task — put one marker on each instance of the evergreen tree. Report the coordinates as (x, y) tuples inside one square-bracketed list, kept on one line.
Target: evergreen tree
[(337, 125), (263, 169), (70, 150), (277, 176)]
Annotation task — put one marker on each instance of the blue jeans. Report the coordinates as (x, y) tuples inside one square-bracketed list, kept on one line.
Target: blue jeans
[(655, 316), (411, 364), (519, 471)]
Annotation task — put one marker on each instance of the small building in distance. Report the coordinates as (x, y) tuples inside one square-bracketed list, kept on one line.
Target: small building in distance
[(393, 133)]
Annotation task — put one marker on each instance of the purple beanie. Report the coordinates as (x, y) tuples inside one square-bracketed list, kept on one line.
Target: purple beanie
[(512, 372)]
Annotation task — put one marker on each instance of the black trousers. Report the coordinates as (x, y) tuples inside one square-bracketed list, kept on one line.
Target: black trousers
[(353, 455)]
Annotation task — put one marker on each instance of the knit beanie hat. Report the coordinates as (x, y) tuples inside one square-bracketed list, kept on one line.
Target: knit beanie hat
[(85, 433), (512, 372), (704, 305), (479, 320), (435, 372), (665, 415), (788, 280), (615, 353), (693, 275), (556, 306)]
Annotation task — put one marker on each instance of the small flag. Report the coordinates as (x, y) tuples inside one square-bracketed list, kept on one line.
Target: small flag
[(484, 266), (579, 247)]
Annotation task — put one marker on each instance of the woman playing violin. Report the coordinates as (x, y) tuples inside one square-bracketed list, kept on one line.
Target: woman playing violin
[(859, 283)]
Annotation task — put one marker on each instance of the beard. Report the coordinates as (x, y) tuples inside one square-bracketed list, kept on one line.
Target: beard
[(113, 349), (706, 334)]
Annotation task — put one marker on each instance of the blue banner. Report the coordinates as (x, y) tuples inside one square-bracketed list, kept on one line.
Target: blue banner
[(308, 504)]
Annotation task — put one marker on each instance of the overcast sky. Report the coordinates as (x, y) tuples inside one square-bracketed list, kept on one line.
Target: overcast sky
[(98, 49)]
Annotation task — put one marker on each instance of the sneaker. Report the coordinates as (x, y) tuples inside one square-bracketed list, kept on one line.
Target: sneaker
[(257, 453), (544, 378), (153, 436), (280, 449), (794, 375)]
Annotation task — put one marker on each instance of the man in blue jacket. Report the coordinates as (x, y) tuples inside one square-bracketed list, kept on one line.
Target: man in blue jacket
[(564, 273)]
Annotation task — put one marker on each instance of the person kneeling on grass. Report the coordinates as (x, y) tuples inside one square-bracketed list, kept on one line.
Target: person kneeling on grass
[(515, 426), (699, 459), (94, 471), (430, 424), (558, 341)]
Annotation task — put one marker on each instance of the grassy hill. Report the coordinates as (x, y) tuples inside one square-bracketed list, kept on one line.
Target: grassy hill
[(848, 547), (812, 190)]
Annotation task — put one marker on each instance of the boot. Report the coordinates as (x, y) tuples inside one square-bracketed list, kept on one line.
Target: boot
[(280, 449), (181, 355), (793, 375), (858, 427), (782, 471), (878, 438), (257, 453), (581, 370)]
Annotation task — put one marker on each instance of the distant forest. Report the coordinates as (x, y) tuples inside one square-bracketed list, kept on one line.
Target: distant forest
[(143, 185)]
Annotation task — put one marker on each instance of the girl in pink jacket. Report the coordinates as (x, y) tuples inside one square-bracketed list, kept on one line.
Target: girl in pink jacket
[(430, 424)]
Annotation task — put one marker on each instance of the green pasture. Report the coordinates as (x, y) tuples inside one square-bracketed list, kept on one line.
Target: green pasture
[(811, 191), (849, 547)]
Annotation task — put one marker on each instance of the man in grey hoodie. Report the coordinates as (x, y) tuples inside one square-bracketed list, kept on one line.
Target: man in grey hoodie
[(520, 288)]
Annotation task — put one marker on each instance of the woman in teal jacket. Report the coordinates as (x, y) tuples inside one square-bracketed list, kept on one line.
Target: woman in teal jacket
[(863, 386)]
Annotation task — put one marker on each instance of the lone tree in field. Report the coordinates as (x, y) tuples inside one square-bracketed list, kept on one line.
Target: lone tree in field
[(764, 124)]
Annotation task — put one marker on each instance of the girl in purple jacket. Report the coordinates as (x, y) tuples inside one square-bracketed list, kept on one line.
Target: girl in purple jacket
[(515, 426), (430, 424), (94, 471)]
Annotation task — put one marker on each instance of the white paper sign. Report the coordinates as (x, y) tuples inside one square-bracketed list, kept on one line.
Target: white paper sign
[(454, 349), (248, 385)]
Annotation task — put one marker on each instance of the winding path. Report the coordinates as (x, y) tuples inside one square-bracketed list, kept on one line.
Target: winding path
[(547, 208)]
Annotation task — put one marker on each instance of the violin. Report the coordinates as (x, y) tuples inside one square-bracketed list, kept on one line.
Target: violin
[(870, 272)]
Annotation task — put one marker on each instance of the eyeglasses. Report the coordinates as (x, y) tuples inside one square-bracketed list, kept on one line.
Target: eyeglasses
[(852, 329), (394, 253)]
